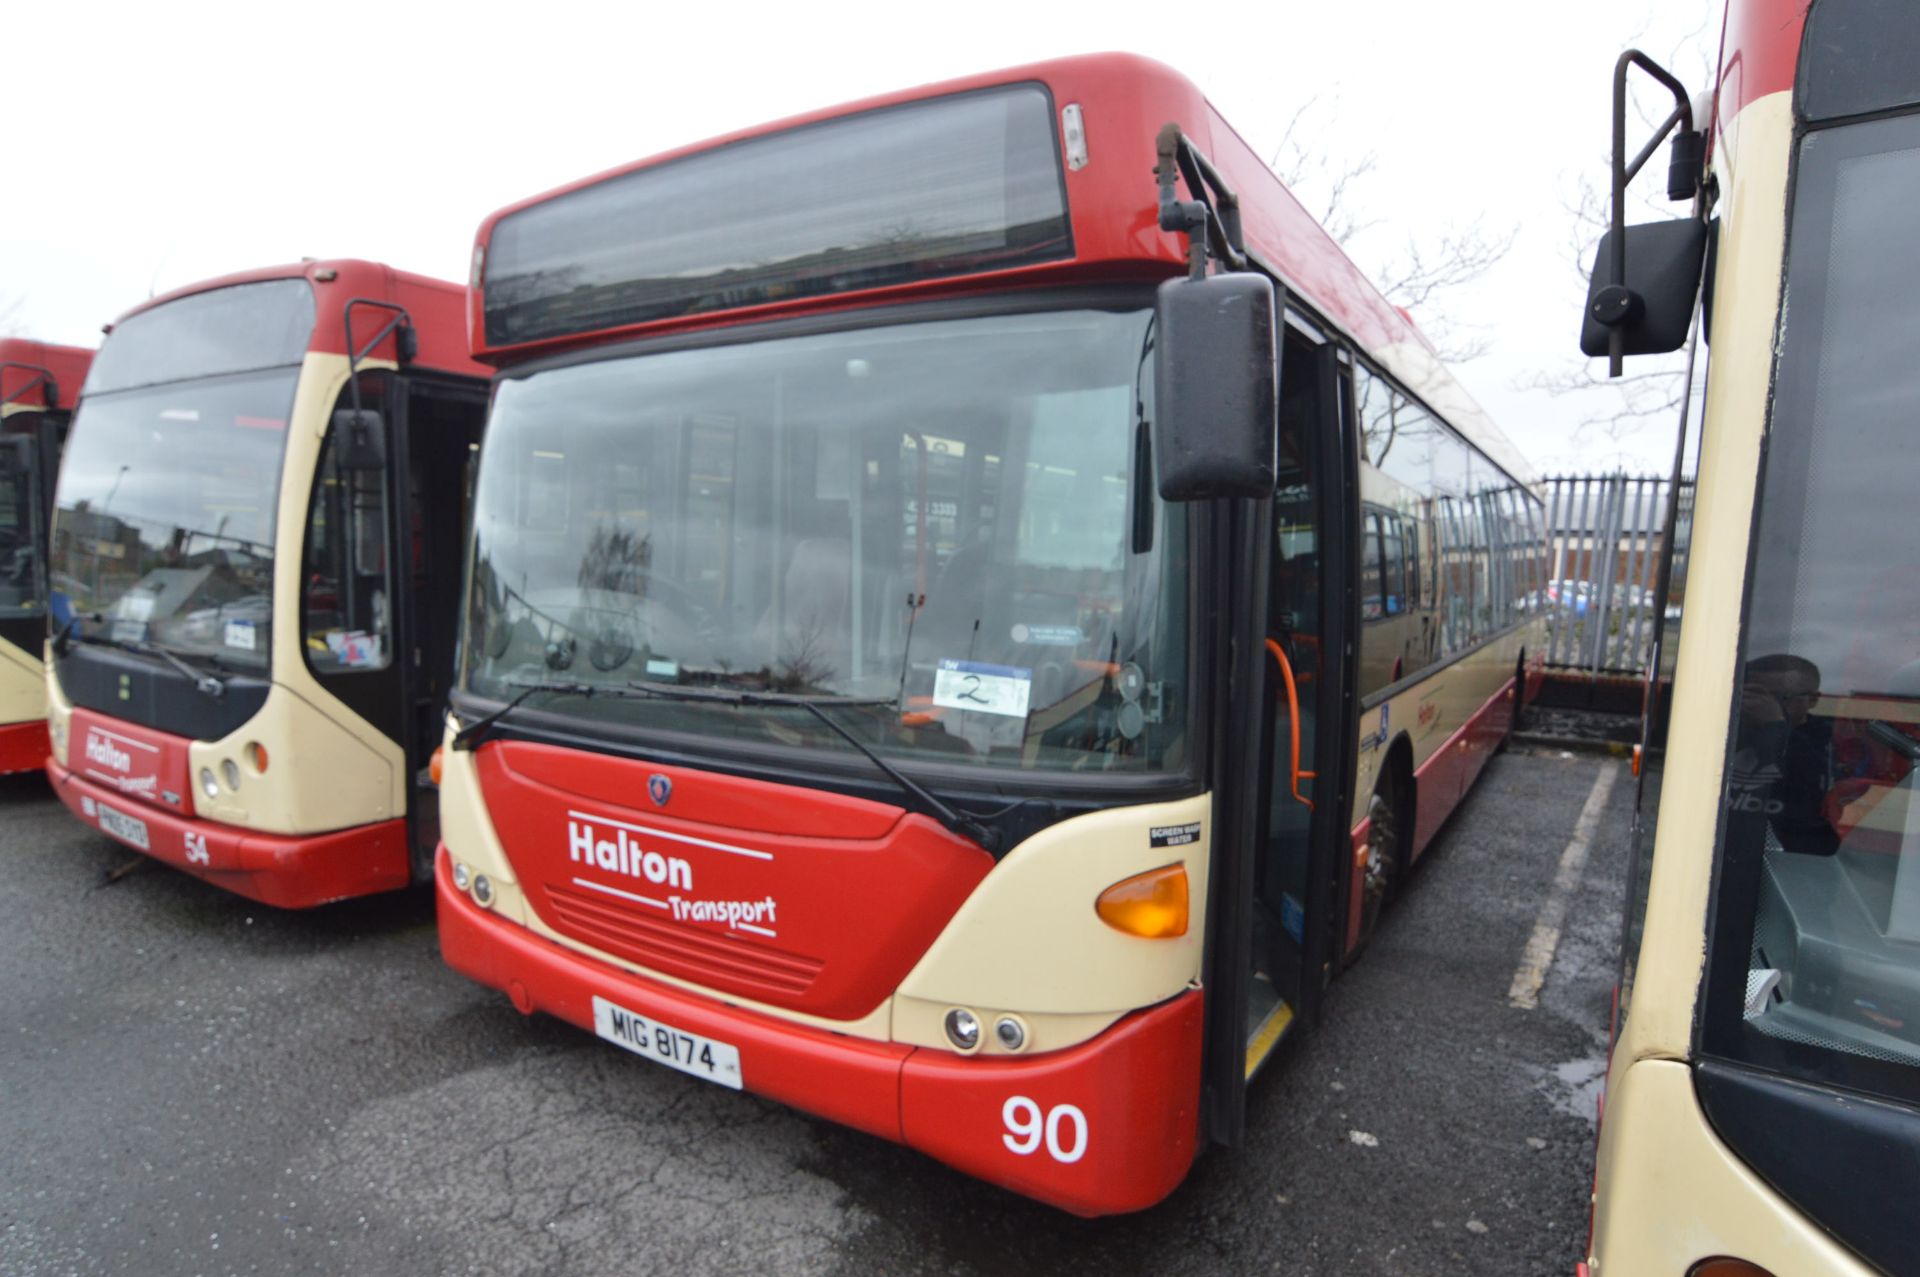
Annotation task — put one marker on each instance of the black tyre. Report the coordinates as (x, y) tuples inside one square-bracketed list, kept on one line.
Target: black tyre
[(1387, 836)]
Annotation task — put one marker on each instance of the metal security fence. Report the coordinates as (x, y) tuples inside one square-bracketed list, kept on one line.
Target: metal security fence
[(1605, 538)]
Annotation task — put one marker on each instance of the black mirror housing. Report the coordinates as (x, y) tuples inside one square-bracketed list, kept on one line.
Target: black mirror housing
[(359, 439), (1663, 276), (1216, 387)]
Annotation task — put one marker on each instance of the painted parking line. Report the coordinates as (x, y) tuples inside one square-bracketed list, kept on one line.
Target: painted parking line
[(1524, 992)]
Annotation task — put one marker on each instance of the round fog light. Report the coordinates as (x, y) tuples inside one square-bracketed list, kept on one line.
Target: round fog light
[(208, 785), (482, 891), (962, 1029), (231, 770), (1011, 1033), (462, 876)]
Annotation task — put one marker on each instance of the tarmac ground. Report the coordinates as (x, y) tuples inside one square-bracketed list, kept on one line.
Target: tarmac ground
[(197, 1084)]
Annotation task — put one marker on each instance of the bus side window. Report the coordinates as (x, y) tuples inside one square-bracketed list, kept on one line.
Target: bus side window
[(1372, 605), (1393, 563), (347, 590)]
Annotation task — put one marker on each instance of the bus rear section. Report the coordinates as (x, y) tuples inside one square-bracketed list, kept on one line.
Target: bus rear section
[(906, 668), (38, 386), (254, 577), (1763, 1100)]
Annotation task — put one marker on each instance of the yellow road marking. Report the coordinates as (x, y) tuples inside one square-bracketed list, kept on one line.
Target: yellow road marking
[(1538, 956)]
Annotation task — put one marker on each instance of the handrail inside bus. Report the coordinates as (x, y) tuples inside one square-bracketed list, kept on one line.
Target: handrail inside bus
[(1293, 721)]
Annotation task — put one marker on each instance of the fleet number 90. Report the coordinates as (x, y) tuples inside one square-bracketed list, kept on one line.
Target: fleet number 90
[(1062, 1128)]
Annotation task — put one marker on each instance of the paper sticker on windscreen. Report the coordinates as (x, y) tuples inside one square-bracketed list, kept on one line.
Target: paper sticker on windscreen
[(986, 689)]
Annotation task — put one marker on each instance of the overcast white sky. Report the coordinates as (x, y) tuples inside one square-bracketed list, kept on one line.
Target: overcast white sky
[(159, 144)]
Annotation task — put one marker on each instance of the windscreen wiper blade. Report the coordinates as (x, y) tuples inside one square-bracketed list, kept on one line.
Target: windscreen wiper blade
[(207, 684), (475, 733), (959, 822)]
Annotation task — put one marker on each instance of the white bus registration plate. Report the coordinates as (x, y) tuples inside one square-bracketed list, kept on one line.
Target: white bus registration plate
[(121, 825), (664, 1044)]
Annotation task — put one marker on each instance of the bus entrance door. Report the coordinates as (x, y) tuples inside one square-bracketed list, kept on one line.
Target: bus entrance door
[(1293, 896), (437, 440)]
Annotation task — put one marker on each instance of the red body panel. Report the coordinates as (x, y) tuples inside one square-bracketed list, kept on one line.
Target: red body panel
[(25, 384), (1759, 51), (287, 872), (436, 307), (23, 747), (1136, 1086), (794, 897), (1112, 203), (135, 764), (1440, 783)]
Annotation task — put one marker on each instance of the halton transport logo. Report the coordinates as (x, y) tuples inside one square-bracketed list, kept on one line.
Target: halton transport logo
[(102, 750), (617, 851)]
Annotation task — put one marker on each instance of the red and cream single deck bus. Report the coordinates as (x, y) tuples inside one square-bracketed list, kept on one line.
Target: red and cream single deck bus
[(254, 590), (38, 386), (1763, 1098), (936, 652)]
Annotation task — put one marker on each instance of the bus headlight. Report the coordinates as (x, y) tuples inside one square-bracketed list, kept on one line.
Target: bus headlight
[(483, 891), (231, 770), (963, 1029), (1011, 1034), (208, 785), (462, 876)]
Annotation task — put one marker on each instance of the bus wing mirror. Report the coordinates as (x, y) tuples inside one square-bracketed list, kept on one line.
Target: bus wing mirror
[(1654, 307), (359, 439), (1216, 387)]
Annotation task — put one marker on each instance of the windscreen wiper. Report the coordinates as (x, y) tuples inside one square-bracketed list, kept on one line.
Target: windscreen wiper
[(475, 733), (207, 684), (63, 640), (959, 822)]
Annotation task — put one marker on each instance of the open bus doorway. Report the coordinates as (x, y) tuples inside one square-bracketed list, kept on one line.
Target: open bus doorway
[(1295, 883)]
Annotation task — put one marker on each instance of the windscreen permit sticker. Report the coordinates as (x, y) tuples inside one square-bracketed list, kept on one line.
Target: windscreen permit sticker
[(986, 689), (1049, 635), (241, 634)]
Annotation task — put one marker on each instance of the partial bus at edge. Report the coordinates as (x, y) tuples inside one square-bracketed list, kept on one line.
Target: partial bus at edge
[(940, 654), (1762, 1113), (255, 535), (38, 386)]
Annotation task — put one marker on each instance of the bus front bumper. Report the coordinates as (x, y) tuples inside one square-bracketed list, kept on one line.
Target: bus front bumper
[(23, 746), (1102, 1128), (286, 871)]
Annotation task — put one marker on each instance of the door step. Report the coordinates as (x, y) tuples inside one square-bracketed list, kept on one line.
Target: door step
[(1268, 1019)]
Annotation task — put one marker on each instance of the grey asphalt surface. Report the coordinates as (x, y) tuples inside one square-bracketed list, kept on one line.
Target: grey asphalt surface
[(191, 1083)]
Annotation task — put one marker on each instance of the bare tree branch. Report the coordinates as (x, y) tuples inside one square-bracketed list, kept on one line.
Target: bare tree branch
[(1426, 271)]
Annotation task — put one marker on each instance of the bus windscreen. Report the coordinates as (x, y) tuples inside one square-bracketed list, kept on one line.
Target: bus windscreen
[(954, 186)]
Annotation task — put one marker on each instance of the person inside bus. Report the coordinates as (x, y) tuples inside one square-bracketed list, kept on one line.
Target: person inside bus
[(1785, 752)]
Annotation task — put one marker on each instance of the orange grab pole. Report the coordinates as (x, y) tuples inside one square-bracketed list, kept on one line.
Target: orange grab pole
[(1293, 720)]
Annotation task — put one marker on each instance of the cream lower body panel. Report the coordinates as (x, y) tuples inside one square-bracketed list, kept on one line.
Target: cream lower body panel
[(1671, 1194)]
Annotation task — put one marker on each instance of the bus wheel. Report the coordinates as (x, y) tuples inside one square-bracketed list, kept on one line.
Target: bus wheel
[(1385, 838)]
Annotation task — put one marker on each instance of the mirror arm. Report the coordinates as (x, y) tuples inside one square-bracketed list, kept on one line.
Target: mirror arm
[(400, 326), (37, 376), (1211, 220), (1623, 304)]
